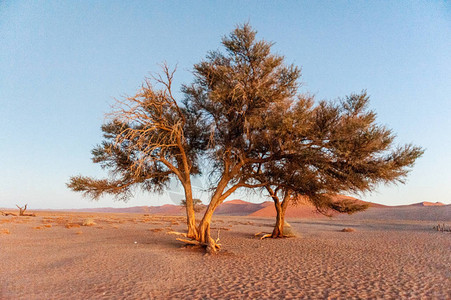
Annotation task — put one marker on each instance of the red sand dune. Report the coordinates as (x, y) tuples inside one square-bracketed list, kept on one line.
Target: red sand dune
[(300, 211), (240, 208), (425, 203)]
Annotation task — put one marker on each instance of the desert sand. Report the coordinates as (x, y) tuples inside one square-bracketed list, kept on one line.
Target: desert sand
[(131, 256)]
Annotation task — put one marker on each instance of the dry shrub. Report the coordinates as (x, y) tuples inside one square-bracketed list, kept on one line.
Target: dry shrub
[(48, 225), (4, 231), (79, 232), (221, 228), (88, 222), (156, 229), (348, 229), (72, 225), (37, 227)]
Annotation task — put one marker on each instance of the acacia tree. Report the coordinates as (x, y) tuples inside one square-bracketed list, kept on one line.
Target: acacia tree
[(149, 139), (198, 205), (333, 147)]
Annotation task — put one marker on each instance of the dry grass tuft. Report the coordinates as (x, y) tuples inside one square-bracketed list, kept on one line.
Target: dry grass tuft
[(4, 231), (88, 222), (348, 229), (72, 225), (48, 225), (37, 227), (156, 229), (79, 232)]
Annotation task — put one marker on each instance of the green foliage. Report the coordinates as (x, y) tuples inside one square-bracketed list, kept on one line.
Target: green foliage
[(348, 206)]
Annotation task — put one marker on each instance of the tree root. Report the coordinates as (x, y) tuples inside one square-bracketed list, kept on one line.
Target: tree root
[(266, 235), (177, 233), (263, 235), (208, 246)]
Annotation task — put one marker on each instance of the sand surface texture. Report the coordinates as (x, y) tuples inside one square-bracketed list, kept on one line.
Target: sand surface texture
[(131, 256)]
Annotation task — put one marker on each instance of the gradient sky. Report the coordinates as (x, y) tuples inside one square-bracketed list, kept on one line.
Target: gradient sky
[(62, 63)]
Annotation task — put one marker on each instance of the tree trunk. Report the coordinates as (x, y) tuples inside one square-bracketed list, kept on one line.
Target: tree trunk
[(190, 215), (280, 218), (204, 226), (204, 229)]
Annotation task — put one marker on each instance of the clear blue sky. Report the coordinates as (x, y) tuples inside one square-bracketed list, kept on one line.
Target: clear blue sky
[(62, 63)]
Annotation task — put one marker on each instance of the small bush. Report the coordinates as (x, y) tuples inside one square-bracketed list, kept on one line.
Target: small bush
[(89, 222), (348, 229), (4, 231)]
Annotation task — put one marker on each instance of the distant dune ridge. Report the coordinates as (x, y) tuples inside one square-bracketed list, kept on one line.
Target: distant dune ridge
[(425, 203), (418, 211)]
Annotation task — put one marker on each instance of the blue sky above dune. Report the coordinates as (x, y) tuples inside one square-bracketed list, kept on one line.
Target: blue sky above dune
[(62, 63)]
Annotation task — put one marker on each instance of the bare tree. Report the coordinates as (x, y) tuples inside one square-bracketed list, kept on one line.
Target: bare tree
[(149, 139)]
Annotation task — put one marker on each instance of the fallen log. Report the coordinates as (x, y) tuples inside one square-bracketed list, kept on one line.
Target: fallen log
[(7, 214)]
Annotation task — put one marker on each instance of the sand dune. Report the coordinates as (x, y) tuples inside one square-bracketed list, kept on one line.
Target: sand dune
[(425, 203), (241, 208), (414, 213)]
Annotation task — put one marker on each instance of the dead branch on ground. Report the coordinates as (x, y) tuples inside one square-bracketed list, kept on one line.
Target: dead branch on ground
[(7, 214), (22, 211)]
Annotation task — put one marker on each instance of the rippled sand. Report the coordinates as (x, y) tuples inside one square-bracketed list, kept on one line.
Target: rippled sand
[(122, 257)]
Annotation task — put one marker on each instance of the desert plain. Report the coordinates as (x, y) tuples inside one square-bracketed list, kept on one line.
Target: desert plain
[(390, 253)]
